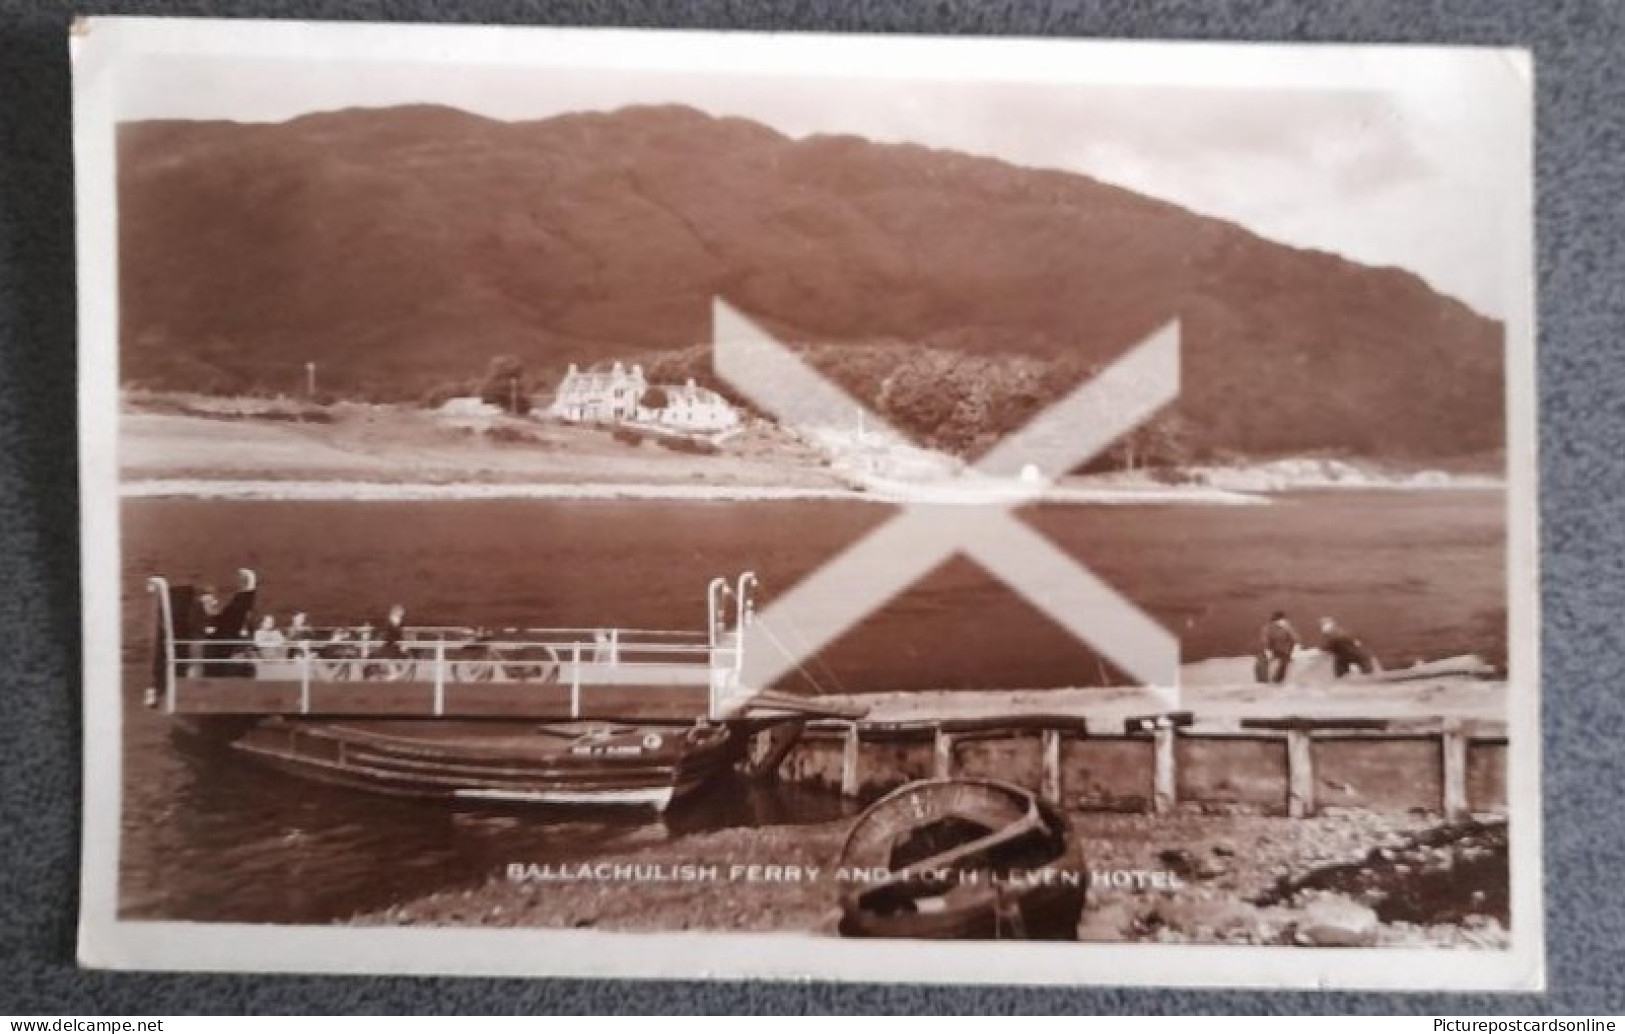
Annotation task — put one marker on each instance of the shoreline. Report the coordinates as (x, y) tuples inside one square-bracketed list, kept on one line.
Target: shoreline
[(385, 453), (333, 490), (328, 490)]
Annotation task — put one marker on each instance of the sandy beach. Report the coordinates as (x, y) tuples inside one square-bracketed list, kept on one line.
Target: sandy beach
[(368, 445), (358, 452)]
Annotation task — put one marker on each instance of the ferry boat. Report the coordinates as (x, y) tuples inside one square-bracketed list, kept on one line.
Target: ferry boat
[(583, 716)]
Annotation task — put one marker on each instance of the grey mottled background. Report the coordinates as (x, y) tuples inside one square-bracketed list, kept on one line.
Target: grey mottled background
[(1579, 49)]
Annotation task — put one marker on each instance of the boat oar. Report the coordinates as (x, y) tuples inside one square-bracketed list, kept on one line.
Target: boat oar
[(772, 700)]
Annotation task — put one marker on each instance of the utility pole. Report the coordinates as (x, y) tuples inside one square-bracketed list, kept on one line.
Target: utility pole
[(310, 381)]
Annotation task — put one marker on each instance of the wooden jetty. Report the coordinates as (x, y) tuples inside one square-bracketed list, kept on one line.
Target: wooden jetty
[(1294, 764)]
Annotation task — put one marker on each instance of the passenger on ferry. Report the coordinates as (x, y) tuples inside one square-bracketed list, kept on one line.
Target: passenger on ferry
[(299, 630), (223, 626), (209, 606), (1346, 649), (340, 643), (269, 641), (205, 625), (393, 632)]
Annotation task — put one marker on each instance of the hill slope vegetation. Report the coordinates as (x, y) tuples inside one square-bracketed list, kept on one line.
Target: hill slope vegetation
[(405, 247)]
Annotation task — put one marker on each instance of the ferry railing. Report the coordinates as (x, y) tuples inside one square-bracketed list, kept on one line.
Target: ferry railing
[(451, 660), (358, 652)]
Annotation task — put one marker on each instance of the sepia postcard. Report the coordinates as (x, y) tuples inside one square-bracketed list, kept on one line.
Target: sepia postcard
[(674, 504)]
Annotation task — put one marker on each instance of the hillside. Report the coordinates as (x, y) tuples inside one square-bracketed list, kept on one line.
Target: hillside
[(404, 247)]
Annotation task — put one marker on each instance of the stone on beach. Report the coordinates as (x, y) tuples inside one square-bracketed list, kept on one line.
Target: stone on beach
[(1333, 921)]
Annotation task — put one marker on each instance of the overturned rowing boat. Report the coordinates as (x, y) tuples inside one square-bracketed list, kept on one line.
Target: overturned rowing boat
[(961, 859)]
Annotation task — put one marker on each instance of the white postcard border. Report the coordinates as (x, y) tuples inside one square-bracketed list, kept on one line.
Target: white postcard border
[(99, 45)]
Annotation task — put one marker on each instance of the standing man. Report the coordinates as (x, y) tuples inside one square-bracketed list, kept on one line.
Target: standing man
[(395, 660), (1347, 651), (1277, 641), (225, 626), (394, 632)]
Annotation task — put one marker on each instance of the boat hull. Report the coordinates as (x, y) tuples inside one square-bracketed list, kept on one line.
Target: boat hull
[(518, 763)]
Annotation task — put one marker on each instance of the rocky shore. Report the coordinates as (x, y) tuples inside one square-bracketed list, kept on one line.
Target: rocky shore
[(1200, 875), (1346, 878)]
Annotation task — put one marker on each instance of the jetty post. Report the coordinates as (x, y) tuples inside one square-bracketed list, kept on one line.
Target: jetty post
[(942, 753), (850, 747), (1050, 788), (1300, 772), (1164, 778), (1453, 757)]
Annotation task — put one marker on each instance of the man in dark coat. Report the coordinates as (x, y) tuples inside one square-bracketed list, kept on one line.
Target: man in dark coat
[(392, 632), (393, 658), (1277, 641), (1348, 652), (224, 625)]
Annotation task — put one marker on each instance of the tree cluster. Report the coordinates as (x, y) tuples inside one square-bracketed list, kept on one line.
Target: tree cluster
[(958, 401), (505, 385)]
